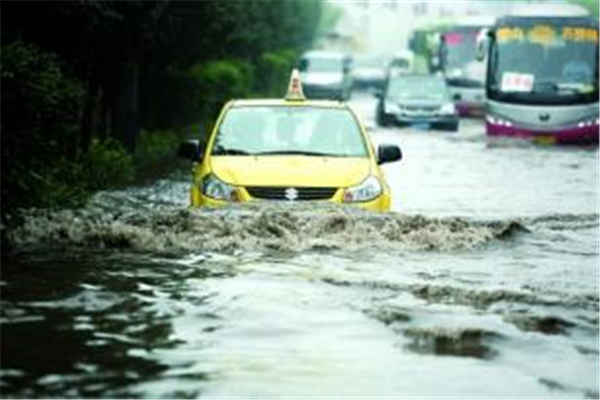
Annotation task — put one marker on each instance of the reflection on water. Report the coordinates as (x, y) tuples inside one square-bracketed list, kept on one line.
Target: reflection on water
[(485, 274)]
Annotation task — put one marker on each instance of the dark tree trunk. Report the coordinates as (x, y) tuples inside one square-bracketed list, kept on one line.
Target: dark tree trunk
[(87, 119), (131, 126), (125, 110)]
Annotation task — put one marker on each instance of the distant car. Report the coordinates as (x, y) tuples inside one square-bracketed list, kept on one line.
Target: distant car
[(289, 150), (401, 63), (417, 99), (368, 71), (326, 75)]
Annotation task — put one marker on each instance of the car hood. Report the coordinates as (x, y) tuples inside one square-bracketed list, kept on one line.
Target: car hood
[(288, 170)]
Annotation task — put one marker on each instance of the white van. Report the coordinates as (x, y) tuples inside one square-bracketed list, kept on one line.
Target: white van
[(325, 75)]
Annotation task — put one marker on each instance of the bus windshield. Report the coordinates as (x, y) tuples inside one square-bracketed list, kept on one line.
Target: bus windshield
[(459, 48), (543, 63)]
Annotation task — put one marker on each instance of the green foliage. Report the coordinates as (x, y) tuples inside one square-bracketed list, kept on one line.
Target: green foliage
[(40, 162), (106, 164), (273, 72), (63, 184), (329, 16), (39, 122), (38, 101), (219, 81), (155, 146), (182, 60)]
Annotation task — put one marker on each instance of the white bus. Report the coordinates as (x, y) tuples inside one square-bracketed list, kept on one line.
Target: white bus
[(542, 75), (457, 58)]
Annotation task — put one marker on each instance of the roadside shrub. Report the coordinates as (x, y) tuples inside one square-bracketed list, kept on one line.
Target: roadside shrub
[(106, 164), (63, 185)]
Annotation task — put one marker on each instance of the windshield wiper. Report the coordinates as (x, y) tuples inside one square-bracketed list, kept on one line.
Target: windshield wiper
[(296, 152), (577, 87), (224, 151), (564, 87)]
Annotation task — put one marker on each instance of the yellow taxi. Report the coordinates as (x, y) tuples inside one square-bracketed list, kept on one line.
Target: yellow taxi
[(290, 150)]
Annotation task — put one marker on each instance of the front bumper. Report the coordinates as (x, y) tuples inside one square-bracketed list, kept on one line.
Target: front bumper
[(381, 203), (432, 120)]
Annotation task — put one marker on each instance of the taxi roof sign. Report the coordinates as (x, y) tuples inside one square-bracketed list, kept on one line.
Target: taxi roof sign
[(295, 87)]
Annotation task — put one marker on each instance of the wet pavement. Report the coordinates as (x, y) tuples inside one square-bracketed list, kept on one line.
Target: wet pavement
[(482, 282)]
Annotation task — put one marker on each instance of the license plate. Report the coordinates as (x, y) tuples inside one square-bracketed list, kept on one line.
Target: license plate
[(544, 139)]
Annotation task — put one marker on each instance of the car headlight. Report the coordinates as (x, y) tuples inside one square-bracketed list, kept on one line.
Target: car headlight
[(447, 109), (216, 189), (368, 189), (456, 73), (392, 108)]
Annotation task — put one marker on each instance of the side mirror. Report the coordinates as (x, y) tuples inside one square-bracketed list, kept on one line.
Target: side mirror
[(190, 150), (387, 153), (378, 93), (481, 46)]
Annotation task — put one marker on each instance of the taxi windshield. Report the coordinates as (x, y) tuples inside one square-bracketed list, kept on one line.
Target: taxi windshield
[(293, 130)]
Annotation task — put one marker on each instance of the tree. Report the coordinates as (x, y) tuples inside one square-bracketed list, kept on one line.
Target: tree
[(106, 69)]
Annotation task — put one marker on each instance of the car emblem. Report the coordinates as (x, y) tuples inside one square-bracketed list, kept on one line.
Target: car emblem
[(544, 117), (291, 194)]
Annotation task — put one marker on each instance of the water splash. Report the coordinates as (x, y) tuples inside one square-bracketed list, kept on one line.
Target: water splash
[(260, 227)]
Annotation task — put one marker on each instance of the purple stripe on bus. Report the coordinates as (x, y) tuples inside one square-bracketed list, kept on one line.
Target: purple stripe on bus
[(573, 135)]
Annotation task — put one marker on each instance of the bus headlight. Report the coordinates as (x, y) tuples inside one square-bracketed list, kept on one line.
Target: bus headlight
[(368, 189), (587, 123), (216, 189), (498, 121)]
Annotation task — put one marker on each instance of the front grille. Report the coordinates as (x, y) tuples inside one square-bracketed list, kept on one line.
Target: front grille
[(291, 193), (421, 111)]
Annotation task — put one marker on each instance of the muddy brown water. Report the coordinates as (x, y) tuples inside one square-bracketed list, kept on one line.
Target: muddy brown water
[(482, 282)]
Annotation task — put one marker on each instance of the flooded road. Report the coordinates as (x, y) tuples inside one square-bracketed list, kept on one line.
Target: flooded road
[(482, 282)]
